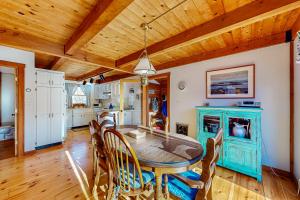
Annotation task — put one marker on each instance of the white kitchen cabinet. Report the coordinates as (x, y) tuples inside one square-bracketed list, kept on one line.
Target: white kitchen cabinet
[(82, 117), (127, 118), (57, 80), (102, 91), (50, 109), (132, 117), (43, 115), (115, 89), (69, 119), (136, 117)]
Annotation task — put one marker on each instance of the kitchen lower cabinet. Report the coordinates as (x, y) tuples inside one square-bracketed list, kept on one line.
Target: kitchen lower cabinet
[(132, 117), (82, 117)]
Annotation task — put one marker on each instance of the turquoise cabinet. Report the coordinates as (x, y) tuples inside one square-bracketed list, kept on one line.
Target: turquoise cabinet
[(241, 150)]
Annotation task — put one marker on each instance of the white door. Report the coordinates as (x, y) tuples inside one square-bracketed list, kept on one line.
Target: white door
[(43, 115), (57, 112), (43, 78), (57, 80)]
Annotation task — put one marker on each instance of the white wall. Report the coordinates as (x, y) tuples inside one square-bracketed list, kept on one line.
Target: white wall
[(8, 94), (272, 89), (297, 117), (27, 58)]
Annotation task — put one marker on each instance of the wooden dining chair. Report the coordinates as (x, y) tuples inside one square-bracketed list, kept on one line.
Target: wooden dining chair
[(191, 185), (101, 165), (125, 172), (106, 116), (94, 128)]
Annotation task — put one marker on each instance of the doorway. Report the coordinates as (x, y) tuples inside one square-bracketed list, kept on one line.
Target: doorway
[(156, 102), (7, 112), (12, 109)]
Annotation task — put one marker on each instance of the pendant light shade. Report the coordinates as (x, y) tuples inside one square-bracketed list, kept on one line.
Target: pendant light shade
[(144, 66)]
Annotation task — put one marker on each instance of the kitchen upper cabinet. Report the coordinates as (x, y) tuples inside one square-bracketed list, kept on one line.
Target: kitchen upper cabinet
[(102, 91), (115, 89), (57, 79), (43, 78)]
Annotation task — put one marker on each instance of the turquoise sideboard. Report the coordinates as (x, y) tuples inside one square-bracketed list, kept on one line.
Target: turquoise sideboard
[(241, 150)]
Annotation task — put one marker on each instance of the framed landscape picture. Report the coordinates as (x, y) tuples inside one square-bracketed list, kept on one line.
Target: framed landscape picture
[(229, 83)]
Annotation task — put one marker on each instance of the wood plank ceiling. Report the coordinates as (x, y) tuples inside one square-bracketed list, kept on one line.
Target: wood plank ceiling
[(112, 46)]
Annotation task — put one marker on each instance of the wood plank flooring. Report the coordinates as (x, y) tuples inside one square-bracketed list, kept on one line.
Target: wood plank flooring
[(64, 172)]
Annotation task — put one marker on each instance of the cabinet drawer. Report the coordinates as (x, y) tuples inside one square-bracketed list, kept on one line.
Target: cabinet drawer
[(240, 157)]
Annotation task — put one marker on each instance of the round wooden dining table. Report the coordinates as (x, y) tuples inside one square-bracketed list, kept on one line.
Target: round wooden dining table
[(163, 153)]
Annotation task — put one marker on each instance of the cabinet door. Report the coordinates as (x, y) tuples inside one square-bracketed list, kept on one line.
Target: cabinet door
[(96, 91), (210, 122), (43, 78), (57, 80), (77, 120), (240, 126), (240, 157), (43, 116), (136, 118), (57, 118)]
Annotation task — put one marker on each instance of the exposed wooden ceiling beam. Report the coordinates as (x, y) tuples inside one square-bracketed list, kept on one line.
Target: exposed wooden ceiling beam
[(102, 14), (250, 45), (92, 73), (248, 14), (35, 44), (296, 28), (114, 78)]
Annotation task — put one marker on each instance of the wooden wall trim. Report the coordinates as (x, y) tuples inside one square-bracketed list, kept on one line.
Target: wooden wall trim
[(20, 74), (292, 106), (245, 15), (0, 99)]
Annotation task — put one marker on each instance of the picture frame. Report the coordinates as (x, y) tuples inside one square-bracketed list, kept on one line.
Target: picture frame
[(231, 83)]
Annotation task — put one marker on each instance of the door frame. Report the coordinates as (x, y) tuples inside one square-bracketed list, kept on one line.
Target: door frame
[(145, 109), (122, 81), (20, 96)]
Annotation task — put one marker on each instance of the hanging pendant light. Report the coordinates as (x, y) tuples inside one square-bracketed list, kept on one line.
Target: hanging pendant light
[(144, 66)]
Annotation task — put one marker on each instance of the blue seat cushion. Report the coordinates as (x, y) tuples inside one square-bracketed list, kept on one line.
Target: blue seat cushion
[(180, 189), (147, 177)]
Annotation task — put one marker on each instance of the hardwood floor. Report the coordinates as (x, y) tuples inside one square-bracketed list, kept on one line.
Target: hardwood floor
[(64, 172), (7, 149)]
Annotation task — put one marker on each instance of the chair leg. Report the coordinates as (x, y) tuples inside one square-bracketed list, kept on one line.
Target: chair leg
[(97, 180), (209, 194), (166, 189)]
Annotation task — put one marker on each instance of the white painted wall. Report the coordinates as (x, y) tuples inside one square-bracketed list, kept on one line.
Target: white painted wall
[(272, 89), (8, 94), (27, 58), (297, 116)]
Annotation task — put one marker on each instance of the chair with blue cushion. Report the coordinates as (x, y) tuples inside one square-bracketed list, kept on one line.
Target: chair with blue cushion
[(125, 175), (191, 185)]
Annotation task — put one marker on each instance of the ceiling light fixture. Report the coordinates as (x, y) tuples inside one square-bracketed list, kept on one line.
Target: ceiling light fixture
[(91, 81), (101, 77), (84, 82), (144, 66)]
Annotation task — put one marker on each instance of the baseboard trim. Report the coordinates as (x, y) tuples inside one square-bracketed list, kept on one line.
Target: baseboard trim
[(29, 153), (280, 172)]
